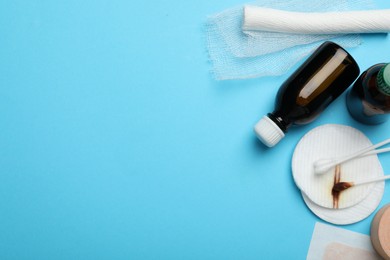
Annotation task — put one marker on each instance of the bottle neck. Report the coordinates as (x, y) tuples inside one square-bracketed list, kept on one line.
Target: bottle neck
[(383, 80), (280, 121)]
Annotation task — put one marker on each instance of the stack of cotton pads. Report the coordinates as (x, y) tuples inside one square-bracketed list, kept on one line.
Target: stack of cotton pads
[(332, 141)]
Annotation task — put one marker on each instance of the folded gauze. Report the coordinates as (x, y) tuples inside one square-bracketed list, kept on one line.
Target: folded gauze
[(273, 20)]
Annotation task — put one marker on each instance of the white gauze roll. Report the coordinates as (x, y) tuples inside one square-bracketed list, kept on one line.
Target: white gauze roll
[(272, 20)]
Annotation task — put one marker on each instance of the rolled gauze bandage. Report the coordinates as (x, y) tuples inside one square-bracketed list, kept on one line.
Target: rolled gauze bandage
[(272, 20)]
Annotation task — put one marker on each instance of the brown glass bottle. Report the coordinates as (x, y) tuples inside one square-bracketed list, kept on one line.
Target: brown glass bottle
[(369, 99), (328, 72)]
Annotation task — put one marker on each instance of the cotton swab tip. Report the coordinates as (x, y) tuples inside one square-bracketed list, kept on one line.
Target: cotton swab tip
[(323, 166)]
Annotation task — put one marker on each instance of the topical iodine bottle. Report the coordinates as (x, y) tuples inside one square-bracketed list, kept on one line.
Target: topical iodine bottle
[(369, 99), (308, 91)]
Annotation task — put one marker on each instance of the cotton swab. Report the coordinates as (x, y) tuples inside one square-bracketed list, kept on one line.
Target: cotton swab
[(325, 165), (341, 186)]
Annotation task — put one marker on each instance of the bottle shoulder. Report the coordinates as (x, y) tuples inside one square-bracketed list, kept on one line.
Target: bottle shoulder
[(372, 72), (373, 95)]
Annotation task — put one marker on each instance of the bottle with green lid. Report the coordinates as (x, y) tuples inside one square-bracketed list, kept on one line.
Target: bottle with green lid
[(369, 99)]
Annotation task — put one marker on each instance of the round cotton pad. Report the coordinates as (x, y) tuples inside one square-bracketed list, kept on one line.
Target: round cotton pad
[(331, 141), (352, 214)]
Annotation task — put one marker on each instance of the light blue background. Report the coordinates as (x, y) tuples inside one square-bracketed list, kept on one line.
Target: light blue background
[(116, 143)]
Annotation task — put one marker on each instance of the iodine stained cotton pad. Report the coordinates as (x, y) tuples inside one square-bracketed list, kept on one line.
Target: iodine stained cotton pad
[(352, 214), (333, 141)]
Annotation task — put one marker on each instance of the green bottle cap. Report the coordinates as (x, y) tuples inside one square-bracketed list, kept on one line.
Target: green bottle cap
[(384, 79)]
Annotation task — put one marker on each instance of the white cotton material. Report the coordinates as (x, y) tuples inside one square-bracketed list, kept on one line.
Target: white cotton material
[(273, 20), (324, 142), (237, 54), (352, 214)]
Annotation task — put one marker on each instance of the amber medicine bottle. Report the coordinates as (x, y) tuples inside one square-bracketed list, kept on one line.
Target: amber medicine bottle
[(327, 73), (369, 99)]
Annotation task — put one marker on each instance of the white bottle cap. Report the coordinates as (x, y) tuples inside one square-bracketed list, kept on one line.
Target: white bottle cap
[(268, 132)]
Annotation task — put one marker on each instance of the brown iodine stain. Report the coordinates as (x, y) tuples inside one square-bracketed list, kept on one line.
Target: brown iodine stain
[(336, 193), (341, 186)]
